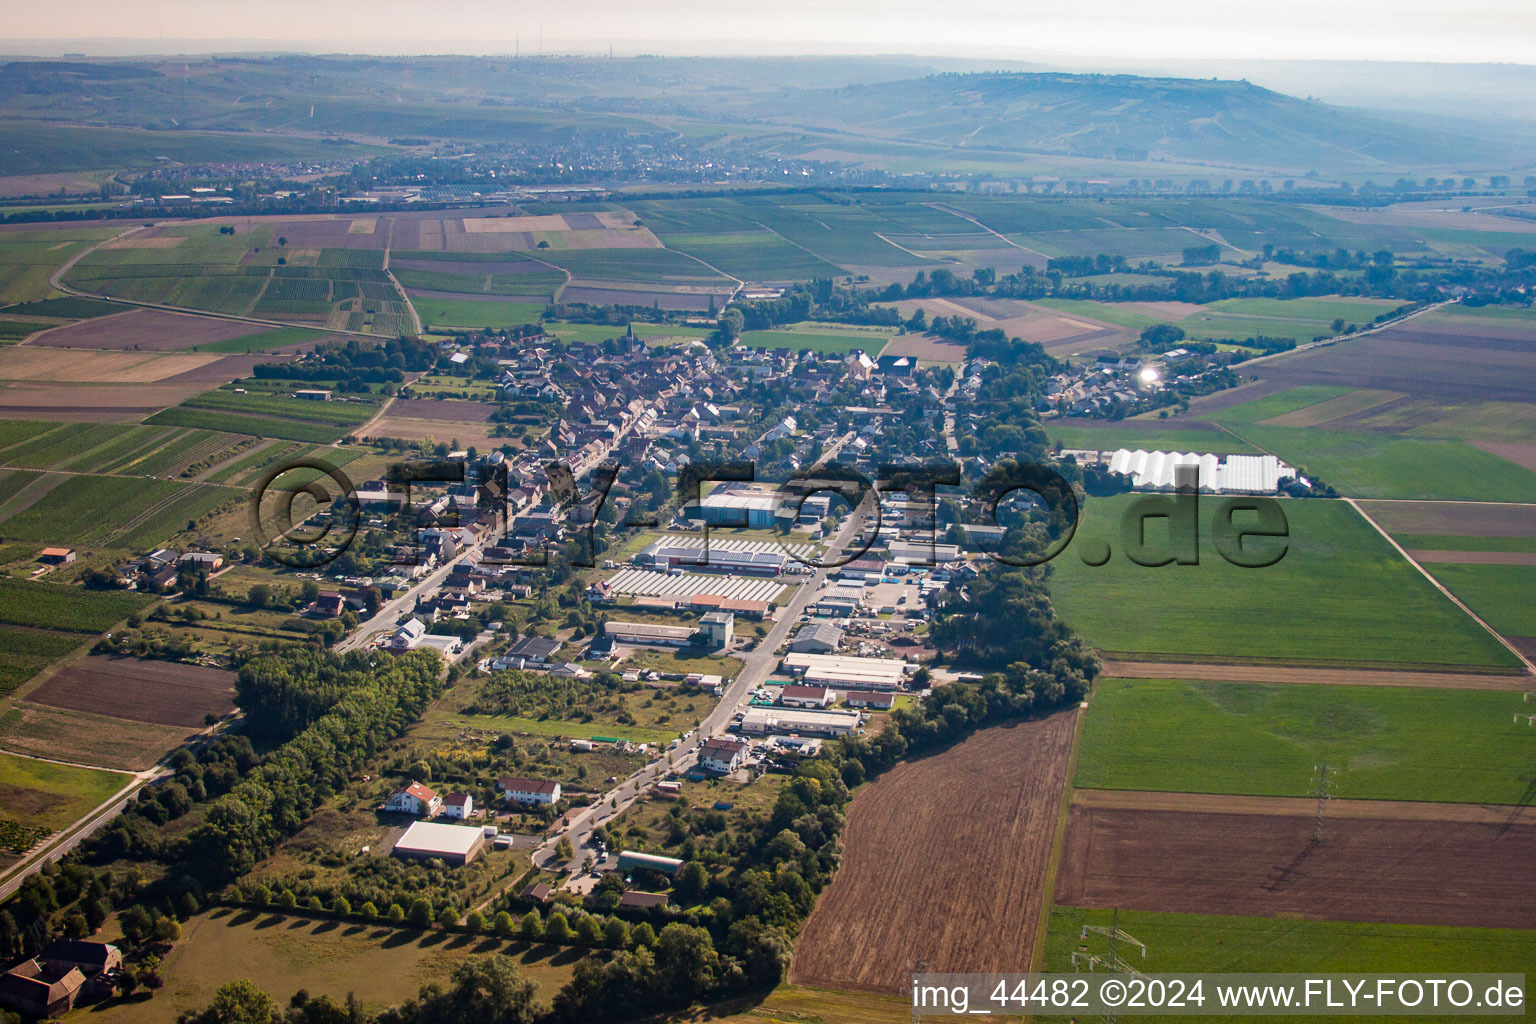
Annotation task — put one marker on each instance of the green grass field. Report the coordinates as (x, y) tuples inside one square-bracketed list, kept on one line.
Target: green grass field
[(1504, 595), (473, 313), (1147, 434), (821, 342), (1340, 594), (1379, 742), (382, 965), (1195, 943), (262, 342), (51, 795), (1364, 465)]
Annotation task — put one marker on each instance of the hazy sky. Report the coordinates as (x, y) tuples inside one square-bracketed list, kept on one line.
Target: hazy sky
[(1491, 30)]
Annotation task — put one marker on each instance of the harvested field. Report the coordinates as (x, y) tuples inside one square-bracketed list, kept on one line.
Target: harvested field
[(1256, 856), (412, 429), (145, 330), (1331, 410), (985, 810), (1475, 557), (446, 409), (1519, 454), (1416, 362), (1462, 518), (86, 739), (1514, 682), (91, 403), (924, 348), (41, 363), (159, 692)]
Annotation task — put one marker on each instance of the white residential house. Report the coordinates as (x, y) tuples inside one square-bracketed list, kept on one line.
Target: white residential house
[(722, 754), (415, 799), (407, 636), (458, 805), (528, 791)]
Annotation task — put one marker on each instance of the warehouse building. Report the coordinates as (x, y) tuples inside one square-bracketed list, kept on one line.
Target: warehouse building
[(452, 844), (755, 509), (817, 638), (847, 673), (629, 860), (1242, 474), (764, 721), (648, 634)]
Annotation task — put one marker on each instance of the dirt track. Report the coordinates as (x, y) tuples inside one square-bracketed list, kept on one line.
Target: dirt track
[(1366, 868), (1316, 676), (945, 860)]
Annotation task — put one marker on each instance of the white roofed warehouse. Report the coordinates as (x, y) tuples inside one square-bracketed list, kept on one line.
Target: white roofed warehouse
[(452, 844)]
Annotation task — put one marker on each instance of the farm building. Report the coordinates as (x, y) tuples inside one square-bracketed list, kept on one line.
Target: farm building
[(847, 672), (98, 962), (453, 844), (629, 860), (528, 791), (202, 561), (807, 697), (648, 634), (762, 721), (414, 799), (817, 638), (722, 754), (458, 805), (34, 991), (57, 556), (313, 394)]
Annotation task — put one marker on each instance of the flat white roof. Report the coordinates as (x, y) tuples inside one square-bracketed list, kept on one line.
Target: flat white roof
[(440, 840), (850, 669)]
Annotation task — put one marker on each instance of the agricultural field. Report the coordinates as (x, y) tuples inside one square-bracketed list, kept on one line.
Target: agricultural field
[(821, 340), (267, 408), (1379, 742), (1253, 856), (383, 966), (150, 330), (1352, 599), (67, 609), (86, 738), (1194, 942), (986, 810), (26, 652), (51, 796), (140, 690), (115, 511), (472, 312), (1504, 596), (1110, 435)]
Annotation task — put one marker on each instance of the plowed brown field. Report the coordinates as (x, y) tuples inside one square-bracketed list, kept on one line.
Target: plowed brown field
[(1233, 858), (946, 862)]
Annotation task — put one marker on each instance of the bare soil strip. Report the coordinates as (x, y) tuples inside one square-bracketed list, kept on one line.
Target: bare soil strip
[(1464, 518), (1317, 676), (1379, 810), (1519, 454), (1476, 557)]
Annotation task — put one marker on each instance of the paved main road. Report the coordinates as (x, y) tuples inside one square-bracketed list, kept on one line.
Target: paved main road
[(758, 664)]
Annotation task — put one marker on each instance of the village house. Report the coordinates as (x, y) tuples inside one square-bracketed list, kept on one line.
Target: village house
[(722, 754), (414, 799), (528, 791)]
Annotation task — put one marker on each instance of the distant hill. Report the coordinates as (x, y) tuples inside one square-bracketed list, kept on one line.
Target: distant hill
[(925, 108), (1125, 117)]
